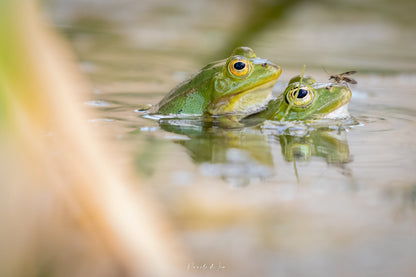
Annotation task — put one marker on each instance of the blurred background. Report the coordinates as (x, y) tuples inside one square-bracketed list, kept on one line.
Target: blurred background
[(269, 201), (374, 36), (234, 195)]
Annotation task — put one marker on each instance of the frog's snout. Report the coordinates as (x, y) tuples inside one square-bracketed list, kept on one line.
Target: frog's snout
[(270, 64), (277, 70), (347, 94)]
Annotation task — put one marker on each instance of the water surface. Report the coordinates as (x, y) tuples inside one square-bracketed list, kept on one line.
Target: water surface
[(276, 199)]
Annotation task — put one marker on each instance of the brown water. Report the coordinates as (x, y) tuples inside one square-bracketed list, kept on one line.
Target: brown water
[(279, 200)]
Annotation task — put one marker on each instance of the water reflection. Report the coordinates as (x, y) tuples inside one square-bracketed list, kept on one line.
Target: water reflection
[(135, 55), (241, 154), (403, 197), (331, 146), (236, 155)]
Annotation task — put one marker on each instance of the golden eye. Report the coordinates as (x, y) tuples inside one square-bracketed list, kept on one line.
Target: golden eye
[(300, 97), (239, 67)]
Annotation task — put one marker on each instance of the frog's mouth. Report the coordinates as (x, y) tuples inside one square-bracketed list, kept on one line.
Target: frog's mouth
[(338, 108), (245, 102), (340, 112)]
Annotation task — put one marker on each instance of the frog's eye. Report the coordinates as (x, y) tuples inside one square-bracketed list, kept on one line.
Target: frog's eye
[(239, 67), (300, 97)]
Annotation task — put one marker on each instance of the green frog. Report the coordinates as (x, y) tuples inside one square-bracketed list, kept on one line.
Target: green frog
[(304, 99), (239, 85)]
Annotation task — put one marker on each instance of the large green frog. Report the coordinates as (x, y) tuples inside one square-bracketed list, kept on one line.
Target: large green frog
[(305, 99), (241, 84)]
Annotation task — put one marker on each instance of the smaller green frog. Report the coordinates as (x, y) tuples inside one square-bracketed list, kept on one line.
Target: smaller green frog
[(308, 100), (239, 85)]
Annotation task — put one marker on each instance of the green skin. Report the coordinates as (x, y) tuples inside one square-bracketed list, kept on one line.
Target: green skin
[(317, 143), (324, 99), (216, 90)]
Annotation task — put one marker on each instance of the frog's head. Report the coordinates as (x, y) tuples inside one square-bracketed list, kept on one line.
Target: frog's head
[(310, 100), (244, 85)]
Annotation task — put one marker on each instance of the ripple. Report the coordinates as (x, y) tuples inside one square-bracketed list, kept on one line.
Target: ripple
[(381, 118), (93, 120), (143, 108), (149, 129), (97, 103), (300, 128)]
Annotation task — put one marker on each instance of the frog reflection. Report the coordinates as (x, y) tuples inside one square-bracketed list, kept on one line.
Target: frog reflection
[(236, 155), (240, 155), (330, 145)]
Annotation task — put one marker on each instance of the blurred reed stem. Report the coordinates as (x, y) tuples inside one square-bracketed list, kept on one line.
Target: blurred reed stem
[(66, 209)]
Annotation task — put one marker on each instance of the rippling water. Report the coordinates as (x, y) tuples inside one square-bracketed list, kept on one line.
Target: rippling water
[(333, 198)]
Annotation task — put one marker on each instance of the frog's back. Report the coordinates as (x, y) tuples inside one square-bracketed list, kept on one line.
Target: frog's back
[(191, 96)]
